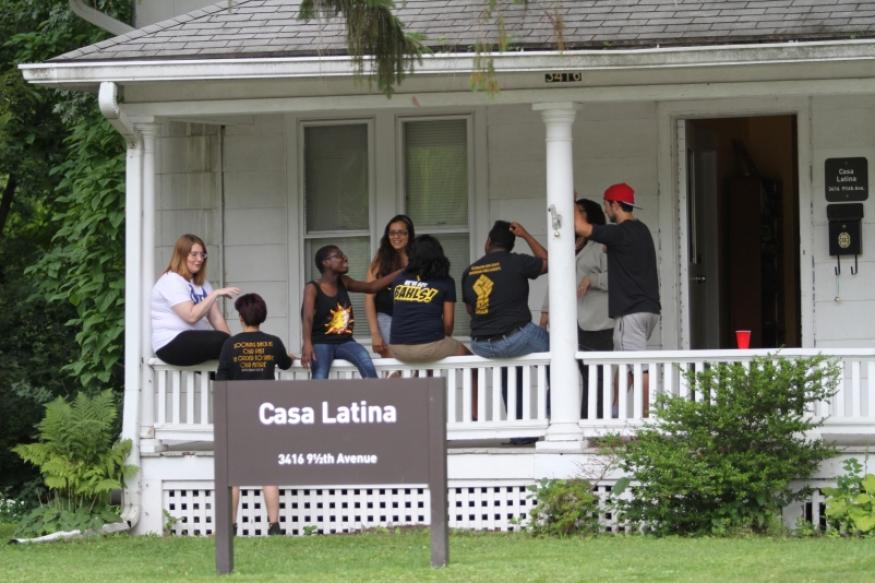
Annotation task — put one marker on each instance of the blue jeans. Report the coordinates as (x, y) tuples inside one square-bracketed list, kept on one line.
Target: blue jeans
[(528, 339), (349, 350)]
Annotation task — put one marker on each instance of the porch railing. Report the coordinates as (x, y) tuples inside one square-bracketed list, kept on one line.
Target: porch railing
[(481, 392)]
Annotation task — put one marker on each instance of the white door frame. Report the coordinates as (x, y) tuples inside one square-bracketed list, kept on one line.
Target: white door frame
[(673, 235)]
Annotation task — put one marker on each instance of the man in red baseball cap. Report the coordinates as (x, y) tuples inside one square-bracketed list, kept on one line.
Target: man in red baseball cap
[(633, 284)]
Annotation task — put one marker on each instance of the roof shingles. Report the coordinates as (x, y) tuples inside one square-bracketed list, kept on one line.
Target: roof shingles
[(234, 28)]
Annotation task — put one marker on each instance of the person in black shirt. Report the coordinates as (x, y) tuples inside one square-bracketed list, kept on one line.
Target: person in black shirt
[(495, 289), (633, 284), (424, 299), (248, 356), (327, 318)]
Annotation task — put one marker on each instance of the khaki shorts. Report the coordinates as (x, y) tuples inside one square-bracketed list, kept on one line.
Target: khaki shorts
[(428, 352), (632, 330)]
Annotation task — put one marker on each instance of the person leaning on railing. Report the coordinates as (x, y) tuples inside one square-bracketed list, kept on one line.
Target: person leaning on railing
[(187, 325)]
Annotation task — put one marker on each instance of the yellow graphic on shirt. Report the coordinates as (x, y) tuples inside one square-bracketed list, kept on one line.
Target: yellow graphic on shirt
[(253, 355), (483, 288), (339, 320), (485, 268), (414, 291)]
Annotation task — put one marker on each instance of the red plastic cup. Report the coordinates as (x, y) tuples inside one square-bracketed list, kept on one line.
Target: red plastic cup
[(742, 339)]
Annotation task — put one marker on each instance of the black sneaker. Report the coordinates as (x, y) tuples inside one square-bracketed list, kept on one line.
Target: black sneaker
[(274, 529)]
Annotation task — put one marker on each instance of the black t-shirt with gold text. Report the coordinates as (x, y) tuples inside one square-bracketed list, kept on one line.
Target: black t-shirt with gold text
[(496, 286), (251, 356), (418, 308)]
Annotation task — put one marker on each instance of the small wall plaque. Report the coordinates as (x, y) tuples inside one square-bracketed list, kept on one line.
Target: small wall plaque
[(846, 179)]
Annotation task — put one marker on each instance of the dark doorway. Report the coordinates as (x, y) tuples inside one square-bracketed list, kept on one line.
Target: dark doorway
[(743, 231)]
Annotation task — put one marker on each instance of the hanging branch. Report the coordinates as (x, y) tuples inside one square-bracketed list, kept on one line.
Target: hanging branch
[(372, 31)]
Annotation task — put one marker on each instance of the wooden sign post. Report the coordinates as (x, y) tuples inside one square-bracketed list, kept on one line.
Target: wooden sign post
[(387, 431)]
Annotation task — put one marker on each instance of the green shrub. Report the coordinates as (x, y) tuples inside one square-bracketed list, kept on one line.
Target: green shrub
[(564, 508), (724, 463), (850, 506), (80, 460)]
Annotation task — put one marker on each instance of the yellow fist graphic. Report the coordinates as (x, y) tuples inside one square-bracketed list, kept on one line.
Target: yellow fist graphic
[(483, 288)]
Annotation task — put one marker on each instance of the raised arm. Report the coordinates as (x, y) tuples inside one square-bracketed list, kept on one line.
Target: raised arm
[(370, 287), (538, 250), (378, 344), (307, 355), (192, 313)]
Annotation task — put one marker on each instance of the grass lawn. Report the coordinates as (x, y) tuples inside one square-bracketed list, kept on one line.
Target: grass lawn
[(473, 557)]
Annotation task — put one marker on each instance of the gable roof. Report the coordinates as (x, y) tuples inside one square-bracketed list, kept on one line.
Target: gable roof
[(234, 29)]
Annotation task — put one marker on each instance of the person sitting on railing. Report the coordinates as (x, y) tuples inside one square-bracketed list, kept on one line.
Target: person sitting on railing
[(327, 316), (424, 301), (495, 289), (249, 356), (187, 325), (391, 255)]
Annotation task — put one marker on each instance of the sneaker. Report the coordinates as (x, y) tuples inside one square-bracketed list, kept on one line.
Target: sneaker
[(274, 529)]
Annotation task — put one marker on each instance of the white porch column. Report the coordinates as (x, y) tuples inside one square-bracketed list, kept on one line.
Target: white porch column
[(564, 395), (147, 274)]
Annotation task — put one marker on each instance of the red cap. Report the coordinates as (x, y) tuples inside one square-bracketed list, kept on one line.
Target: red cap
[(621, 192)]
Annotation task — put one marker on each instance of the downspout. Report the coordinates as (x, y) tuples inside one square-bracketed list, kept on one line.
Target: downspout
[(109, 107), (98, 18)]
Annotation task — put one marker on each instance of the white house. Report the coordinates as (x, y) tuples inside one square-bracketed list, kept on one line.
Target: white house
[(738, 123)]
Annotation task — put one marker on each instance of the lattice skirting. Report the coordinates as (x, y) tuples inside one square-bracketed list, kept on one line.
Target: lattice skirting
[(328, 510), (498, 506)]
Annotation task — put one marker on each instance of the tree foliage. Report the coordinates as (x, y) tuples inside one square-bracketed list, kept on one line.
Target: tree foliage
[(36, 123), (724, 463)]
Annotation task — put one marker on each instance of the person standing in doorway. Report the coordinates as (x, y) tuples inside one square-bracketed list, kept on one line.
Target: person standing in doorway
[(633, 283)]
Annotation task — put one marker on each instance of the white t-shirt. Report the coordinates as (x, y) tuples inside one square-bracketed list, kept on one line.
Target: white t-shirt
[(172, 289)]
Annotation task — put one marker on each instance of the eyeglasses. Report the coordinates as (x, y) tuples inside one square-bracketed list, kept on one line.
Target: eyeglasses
[(198, 255), (398, 233), (337, 255)]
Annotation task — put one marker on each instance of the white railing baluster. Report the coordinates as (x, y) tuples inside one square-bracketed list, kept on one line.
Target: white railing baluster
[(542, 392), (452, 398), (527, 392), (593, 390), (205, 400), (623, 384), (839, 399), (869, 392), (637, 391), (161, 417), (496, 395), (174, 401), (608, 386), (466, 395), (189, 397), (683, 385), (481, 393), (856, 395)]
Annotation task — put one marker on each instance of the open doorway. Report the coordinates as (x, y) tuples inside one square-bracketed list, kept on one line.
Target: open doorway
[(743, 230)]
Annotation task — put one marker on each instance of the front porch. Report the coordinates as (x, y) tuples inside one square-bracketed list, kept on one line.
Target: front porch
[(489, 479), (179, 408)]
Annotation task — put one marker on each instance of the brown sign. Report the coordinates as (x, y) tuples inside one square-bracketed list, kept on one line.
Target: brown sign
[(388, 431)]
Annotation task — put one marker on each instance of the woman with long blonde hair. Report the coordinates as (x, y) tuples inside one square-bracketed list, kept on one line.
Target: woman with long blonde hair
[(187, 325)]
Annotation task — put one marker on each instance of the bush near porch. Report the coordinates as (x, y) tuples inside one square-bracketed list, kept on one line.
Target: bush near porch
[(722, 462)]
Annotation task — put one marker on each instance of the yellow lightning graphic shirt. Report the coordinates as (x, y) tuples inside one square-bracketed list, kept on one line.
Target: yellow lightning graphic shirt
[(333, 316), (418, 308)]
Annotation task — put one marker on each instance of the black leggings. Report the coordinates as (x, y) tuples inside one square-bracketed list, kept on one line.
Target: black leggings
[(600, 340), (192, 347)]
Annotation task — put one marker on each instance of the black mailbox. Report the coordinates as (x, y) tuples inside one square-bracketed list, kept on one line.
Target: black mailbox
[(844, 228)]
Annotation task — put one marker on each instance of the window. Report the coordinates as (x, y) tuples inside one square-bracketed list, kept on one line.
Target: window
[(436, 192), (337, 201)]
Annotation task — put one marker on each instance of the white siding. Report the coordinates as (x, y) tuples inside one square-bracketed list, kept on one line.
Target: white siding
[(844, 305)]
